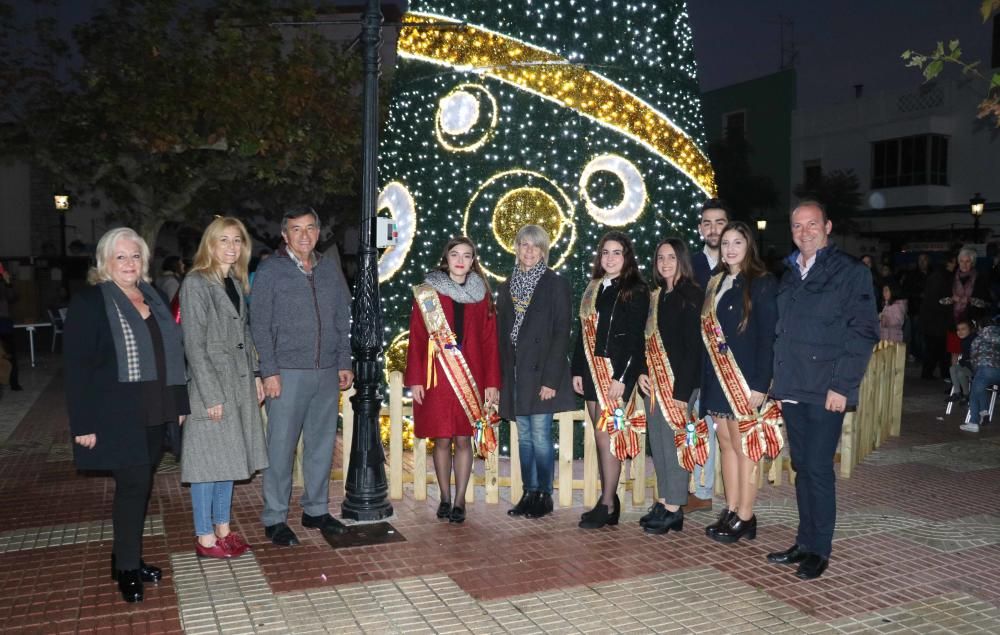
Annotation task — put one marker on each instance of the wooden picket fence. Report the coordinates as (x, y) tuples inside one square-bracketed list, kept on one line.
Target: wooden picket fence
[(878, 417)]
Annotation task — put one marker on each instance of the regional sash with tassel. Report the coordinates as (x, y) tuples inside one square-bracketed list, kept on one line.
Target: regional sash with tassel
[(625, 423), (443, 348), (690, 434), (760, 432)]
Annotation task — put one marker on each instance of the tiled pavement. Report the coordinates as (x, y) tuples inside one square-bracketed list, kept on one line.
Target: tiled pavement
[(917, 549)]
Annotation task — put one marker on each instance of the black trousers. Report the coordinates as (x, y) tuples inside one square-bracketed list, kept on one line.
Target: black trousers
[(935, 357), (133, 486)]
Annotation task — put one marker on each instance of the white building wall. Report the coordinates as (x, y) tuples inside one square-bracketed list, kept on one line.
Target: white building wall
[(840, 137)]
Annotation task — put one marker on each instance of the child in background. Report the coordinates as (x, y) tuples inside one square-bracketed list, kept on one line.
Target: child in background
[(961, 370), (985, 358)]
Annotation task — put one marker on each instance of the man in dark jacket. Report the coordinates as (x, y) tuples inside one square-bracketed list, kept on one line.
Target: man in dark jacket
[(827, 328), (300, 319)]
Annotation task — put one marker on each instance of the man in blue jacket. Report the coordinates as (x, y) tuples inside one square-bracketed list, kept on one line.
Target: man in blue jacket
[(300, 319), (827, 327)]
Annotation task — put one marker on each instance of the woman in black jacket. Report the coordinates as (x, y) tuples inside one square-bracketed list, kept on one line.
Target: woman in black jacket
[(125, 380), (744, 296), (534, 308), (620, 300), (678, 301)]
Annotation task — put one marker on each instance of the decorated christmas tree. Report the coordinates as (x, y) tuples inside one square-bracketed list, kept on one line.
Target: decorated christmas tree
[(578, 116)]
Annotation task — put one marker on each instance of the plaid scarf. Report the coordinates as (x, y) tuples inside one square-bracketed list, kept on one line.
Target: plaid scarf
[(522, 287), (133, 343)]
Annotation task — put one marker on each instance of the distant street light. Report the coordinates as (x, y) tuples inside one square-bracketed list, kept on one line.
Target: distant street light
[(977, 205), (761, 227), (62, 206)]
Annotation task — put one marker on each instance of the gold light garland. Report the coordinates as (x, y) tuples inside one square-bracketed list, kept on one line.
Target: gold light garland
[(553, 77)]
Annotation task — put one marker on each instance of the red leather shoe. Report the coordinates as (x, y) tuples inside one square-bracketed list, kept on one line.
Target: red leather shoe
[(235, 543), (218, 550)]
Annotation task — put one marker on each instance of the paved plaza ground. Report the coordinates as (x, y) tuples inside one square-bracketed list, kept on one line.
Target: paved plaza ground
[(917, 549)]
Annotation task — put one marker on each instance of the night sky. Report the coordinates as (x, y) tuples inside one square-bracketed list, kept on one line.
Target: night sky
[(840, 43)]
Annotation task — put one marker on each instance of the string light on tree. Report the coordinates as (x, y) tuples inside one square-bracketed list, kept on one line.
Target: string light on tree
[(576, 116)]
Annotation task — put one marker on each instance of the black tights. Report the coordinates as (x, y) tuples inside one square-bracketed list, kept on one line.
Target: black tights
[(443, 465), (607, 463)]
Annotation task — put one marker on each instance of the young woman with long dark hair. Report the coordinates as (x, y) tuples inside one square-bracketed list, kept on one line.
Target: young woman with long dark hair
[(738, 320), (452, 356), (608, 358)]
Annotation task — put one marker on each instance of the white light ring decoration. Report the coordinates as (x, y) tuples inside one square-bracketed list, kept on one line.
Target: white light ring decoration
[(396, 198), (634, 187), (458, 112), (442, 135), (567, 213)]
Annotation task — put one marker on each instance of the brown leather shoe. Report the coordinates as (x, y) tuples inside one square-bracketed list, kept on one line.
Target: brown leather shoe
[(696, 504)]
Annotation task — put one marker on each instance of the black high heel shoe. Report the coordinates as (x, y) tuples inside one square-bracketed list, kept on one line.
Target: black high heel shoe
[(444, 509), (130, 585), (601, 516), (664, 521), (725, 516), (457, 515), (148, 573), (737, 528)]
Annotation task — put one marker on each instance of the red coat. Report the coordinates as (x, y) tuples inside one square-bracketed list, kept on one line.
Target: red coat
[(441, 415)]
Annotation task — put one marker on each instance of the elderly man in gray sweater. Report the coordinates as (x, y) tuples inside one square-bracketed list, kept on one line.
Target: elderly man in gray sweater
[(300, 313)]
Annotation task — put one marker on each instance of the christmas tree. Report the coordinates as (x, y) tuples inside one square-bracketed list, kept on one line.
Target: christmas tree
[(577, 116)]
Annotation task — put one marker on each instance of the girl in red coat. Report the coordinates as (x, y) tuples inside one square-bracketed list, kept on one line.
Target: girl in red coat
[(452, 356)]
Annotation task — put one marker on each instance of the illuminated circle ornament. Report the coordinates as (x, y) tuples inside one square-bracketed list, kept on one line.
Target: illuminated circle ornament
[(634, 190), (397, 200), (461, 124), (507, 201), (525, 206)]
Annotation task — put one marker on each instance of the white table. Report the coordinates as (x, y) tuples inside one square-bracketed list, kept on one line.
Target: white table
[(30, 328)]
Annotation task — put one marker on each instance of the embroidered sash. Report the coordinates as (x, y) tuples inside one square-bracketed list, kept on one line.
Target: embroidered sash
[(623, 424), (690, 435), (759, 430), (442, 347)]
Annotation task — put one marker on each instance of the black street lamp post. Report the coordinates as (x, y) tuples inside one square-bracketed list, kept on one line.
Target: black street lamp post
[(366, 484)]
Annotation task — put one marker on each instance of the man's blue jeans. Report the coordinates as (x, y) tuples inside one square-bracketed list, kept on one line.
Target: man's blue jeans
[(210, 503), (979, 401), (537, 453), (813, 435)]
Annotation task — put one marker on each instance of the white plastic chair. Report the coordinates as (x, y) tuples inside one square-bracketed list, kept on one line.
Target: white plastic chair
[(57, 325)]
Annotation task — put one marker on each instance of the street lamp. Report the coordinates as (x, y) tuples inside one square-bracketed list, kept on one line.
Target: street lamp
[(62, 206), (977, 205), (761, 227), (366, 495)]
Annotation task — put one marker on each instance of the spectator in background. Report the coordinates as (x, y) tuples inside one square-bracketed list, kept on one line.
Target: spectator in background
[(914, 282), (172, 273), (969, 298), (7, 297), (892, 319), (985, 352), (961, 370), (869, 262), (935, 318)]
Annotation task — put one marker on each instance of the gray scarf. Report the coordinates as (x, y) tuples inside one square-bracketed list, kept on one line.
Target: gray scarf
[(133, 343), (522, 287), (474, 289)]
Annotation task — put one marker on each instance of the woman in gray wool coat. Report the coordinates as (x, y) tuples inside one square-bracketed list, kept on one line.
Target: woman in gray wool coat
[(224, 436), (534, 316)]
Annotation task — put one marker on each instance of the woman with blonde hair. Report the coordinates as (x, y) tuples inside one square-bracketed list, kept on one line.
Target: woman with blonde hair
[(224, 436), (124, 381), (534, 316)]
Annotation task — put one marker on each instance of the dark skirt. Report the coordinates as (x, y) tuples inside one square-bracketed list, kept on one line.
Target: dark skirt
[(590, 390)]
